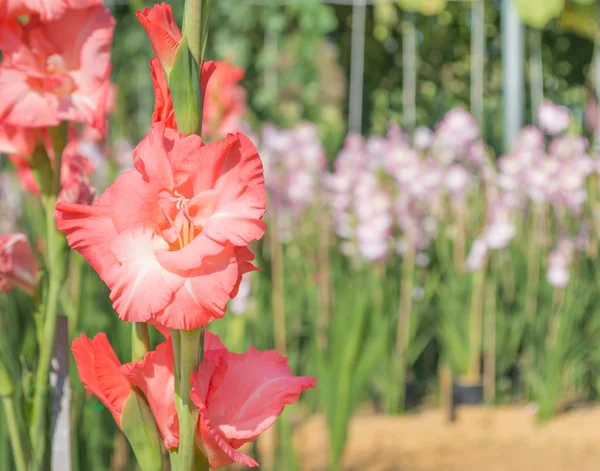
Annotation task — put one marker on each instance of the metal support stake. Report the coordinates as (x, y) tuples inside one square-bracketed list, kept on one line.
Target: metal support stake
[(477, 59), (61, 412), (513, 70), (409, 72), (357, 64)]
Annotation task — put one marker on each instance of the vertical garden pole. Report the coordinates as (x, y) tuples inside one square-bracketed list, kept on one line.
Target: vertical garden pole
[(409, 71), (357, 64), (536, 76), (477, 58), (61, 402), (512, 66)]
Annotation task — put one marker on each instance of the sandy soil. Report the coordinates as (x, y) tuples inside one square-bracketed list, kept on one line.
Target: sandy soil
[(483, 439)]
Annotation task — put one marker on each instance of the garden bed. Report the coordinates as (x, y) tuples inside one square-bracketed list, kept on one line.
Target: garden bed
[(483, 438)]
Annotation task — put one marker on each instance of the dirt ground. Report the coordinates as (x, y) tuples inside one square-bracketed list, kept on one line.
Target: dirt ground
[(483, 439)]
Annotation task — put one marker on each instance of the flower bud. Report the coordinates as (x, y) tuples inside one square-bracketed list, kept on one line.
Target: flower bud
[(139, 427), (184, 84)]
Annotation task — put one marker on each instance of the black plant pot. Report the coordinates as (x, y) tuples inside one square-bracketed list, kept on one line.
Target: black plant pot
[(467, 394)]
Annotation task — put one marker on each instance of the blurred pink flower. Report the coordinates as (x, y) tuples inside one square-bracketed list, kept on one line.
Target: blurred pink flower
[(18, 267), (47, 10), (57, 71), (559, 263), (553, 119)]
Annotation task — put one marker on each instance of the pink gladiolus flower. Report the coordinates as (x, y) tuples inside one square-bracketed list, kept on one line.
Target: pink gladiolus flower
[(47, 10), (18, 268), (58, 71), (169, 238), (230, 415), (99, 371), (239, 397)]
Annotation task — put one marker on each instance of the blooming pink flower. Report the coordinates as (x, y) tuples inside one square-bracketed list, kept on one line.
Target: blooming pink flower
[(18, 267), (47, 10), (99, 371), (57, 71), (239, 397), (169, 238)]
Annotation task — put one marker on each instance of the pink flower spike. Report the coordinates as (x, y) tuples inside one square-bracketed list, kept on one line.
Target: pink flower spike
[(18, 267), (239, 397)]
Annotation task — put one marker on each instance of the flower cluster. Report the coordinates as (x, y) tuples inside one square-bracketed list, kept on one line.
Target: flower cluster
[(387, 193), (294, 160)]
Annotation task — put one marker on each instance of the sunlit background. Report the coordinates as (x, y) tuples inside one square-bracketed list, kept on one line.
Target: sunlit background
[(434, 226)]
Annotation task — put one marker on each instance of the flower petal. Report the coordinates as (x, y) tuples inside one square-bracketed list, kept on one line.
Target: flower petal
[(253, 390), (141, 286), (163, 32), (218, 451), (204, 295), (99, 371), (154, 376), (90, 231)]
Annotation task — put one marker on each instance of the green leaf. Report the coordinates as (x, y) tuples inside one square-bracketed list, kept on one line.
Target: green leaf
[(538, 13), (140, 429), (184, 84)]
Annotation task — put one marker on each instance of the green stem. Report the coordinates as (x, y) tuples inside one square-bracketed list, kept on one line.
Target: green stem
[(56, 270), (140, 341), (191, 353), (40, 400), (12, 424)]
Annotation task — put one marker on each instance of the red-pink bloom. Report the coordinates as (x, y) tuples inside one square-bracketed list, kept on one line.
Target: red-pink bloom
[(57, 71), (239, 397), (99, 371), (225, 102), (169, 238), (48, 10), (18, 267)]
